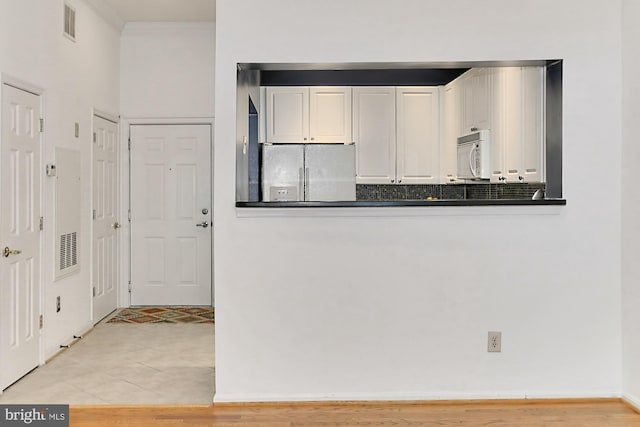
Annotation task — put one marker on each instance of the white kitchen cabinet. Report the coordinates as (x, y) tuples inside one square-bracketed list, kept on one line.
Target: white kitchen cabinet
[(418, 135), (397, 135), (374, 133), (299, 114), (451, 130), (477, 98), (533, 124), (517, 140), (287, 114), (330, 115)]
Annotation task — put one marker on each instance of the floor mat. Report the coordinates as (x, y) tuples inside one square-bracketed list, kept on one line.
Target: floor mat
[(170, 314)]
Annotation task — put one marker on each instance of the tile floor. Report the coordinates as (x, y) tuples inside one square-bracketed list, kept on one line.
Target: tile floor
[(116, 363)]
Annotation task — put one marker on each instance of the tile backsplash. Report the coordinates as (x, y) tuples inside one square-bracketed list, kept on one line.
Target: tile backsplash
[(447, 191)]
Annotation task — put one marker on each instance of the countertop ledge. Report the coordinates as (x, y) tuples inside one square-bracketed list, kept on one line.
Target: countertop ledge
[(402, 203)]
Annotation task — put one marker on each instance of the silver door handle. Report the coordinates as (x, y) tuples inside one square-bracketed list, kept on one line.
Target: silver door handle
[(116, 225), (203, 224)]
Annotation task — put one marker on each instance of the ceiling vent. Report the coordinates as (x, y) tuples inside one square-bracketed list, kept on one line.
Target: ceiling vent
[(69, 22)]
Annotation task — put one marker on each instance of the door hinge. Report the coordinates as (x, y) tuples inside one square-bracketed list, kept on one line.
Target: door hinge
[(129, 144), (41, 321), (41, 125), (94, 137), (94, 291), (41, 223), (129, 215), (94, 214), (129, 286)]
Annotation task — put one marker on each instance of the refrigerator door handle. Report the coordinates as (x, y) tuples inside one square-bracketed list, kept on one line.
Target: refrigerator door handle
[(306, 183), (301, 185)]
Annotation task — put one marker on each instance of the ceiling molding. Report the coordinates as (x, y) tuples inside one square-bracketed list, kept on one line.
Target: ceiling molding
[(107, 13)]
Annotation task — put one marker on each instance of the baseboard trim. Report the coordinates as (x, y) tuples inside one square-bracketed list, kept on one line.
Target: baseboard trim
[(502, 401), (631, 402), (86, 330)]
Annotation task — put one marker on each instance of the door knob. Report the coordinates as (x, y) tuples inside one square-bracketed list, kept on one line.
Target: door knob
[(6, 252), (203, 224), (116, 225)]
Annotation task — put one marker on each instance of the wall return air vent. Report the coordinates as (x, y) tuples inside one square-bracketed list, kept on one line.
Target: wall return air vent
[(68, 212), (69, 22), (68, 250)]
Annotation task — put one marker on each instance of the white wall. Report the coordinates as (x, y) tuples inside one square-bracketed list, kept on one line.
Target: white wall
[(397, 303), (167, 76), (630, 203), (167, 70), (76, 77)]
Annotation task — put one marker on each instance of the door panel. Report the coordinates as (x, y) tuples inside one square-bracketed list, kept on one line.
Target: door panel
[(20, 232), (287, 114), (374, 133), (330, 114), (418, 144), (170, 193), (105, 197)]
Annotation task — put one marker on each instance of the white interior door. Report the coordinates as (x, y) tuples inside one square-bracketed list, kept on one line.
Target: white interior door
[(19, 235), (171, 215), (105, 223)]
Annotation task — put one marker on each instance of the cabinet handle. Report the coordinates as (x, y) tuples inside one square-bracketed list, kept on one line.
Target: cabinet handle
[(521, 178), (313, 139), (305, 138), (399, 181), (393, 180), (474, 129)]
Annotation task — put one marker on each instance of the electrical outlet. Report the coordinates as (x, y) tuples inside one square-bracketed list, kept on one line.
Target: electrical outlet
[(494, 344), (57, 304)]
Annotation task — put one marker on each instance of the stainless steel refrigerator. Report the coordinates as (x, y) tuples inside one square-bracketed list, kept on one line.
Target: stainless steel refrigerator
[(308, 172)]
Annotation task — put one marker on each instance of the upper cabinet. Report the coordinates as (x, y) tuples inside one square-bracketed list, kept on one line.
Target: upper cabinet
[(287, 114), (452, 128), (477, 98), (517, 138), (308, 114), (397, 135), (374, 132), (418, 135), (330, 114)]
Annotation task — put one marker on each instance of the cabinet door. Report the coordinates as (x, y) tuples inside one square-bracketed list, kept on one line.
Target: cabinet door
[(418, 135), (477, 99), (498, 125), (533, 124), (467, 84), (482, 98), (513, 130), (451, 132), (287, 114), (330, 115), (374, 133)]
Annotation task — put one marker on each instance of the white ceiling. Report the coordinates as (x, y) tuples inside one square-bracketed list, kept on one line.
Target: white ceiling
[(164, 10)]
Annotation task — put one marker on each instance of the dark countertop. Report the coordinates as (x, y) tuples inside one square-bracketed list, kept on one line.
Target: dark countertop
[(403, 203)]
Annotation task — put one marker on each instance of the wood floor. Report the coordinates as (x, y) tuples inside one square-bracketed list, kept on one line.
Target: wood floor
[(597, 413)]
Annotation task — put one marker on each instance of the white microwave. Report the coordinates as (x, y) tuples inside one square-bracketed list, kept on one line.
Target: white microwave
[(474, 156)]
